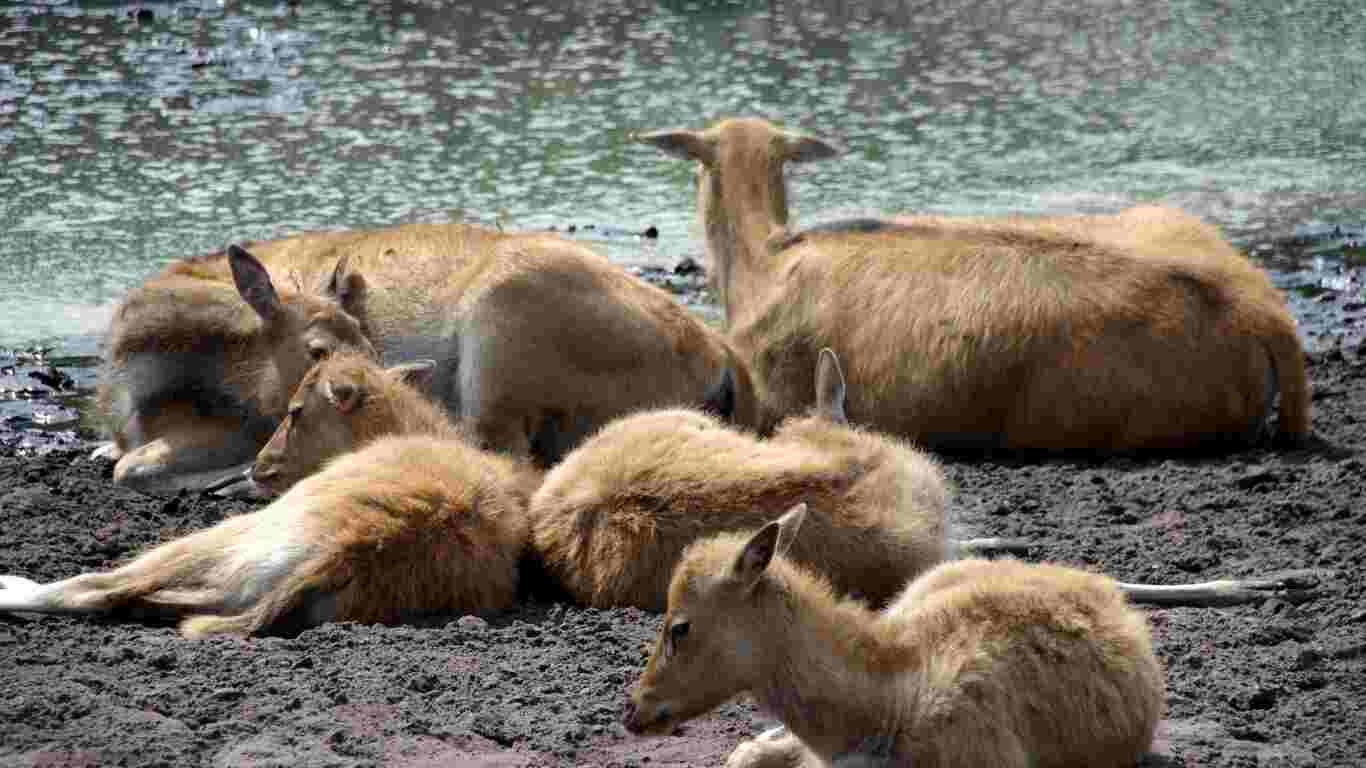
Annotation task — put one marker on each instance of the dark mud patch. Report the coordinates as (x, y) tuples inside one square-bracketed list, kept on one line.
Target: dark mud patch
[(1271, 684)]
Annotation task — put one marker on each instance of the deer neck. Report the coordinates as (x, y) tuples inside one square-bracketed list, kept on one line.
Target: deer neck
[(833, 676), (425, 418), (742, 219)]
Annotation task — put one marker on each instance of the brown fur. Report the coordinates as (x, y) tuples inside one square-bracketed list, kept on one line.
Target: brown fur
[(525, 328), (611, 520), (347, 402), (405, 525), (1142, 331), (196, 378), (996, 663)]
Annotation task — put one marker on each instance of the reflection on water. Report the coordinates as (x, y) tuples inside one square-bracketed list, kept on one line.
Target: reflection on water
[(131, 133)]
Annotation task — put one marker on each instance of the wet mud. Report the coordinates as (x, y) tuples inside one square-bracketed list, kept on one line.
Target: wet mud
[(544, 685)]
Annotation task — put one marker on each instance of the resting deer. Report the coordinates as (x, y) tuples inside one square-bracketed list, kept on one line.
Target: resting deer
[(1103, 334), (406, 525), (612, 519), (525, 329), (199, 370), (347, 402), (344, 403), (977, 663)]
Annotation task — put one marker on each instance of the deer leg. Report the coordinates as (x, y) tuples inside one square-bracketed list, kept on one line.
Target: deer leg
[(188, 454), (774, 748), (108, 450), (994, 546), (1291, 586)]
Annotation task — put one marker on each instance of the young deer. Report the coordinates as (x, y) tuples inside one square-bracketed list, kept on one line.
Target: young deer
[(405, 525), (347, 402), (198, 378), (610, 522), (344, 403), (977, 663), (1143, 331)]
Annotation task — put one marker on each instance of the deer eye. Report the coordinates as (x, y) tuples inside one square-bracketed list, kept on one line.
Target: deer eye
[(678, 632), (295, 411), (318, 352)]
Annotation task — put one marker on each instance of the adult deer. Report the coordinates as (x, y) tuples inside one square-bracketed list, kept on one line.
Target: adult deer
[(1145, 331), (524, 329)]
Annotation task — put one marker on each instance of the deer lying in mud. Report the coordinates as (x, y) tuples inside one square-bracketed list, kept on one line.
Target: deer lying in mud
[(1103, 334), (403, 526), (200, 367), (977, 663), (347, 402), (524, 328), (613, 518)]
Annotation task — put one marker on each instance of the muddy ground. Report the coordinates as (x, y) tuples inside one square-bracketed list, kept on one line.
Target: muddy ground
[(1268, 685)]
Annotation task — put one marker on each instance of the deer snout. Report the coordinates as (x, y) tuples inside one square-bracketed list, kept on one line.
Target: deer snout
[(263, 476), (643, 717), (632, 719)]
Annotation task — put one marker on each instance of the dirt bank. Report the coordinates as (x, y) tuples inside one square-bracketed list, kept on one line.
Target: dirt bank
[(1274, 684)]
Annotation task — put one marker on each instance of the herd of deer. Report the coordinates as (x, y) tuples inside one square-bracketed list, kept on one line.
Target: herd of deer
[(550, 405)]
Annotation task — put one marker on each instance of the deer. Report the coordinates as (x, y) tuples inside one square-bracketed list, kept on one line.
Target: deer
[(198, 370), (525, 329), (348, 401), (611, 520), (977, 662), (1143, 332), (344, 403), (406, 525), (609, 523)]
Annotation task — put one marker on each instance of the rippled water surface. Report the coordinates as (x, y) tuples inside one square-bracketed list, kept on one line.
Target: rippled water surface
[(133, 133)]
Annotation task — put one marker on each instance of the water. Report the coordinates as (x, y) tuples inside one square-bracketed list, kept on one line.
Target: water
[(134, 133)]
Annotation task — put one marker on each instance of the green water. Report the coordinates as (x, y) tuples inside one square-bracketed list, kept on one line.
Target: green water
[(127, 141)]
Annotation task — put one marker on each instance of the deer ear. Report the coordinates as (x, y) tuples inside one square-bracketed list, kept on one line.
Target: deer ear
[(758, 552), (416, 374), (253, 284), (345, 396), (720, 398), (347, 288), (802, 147), (830, 388), (771, 540), (685, 144), (788, 525)]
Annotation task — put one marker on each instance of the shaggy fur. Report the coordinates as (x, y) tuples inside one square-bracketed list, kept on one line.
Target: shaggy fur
[(611, 521), (406, 525), (199, 371), (524, 329), (348, 401), (1142, 331), (978, 663)]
